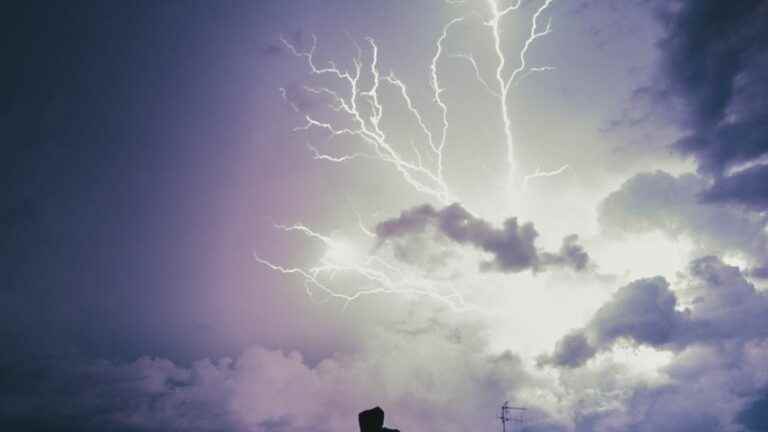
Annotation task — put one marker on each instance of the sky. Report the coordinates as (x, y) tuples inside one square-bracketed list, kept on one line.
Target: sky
[(271, 215)]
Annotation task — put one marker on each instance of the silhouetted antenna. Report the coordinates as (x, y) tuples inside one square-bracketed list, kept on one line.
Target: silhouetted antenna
[(511, 414)]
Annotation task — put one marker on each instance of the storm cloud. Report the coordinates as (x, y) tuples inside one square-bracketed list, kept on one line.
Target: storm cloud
[(512, 246), (643, 312), (714, 58), (720, 306), (148, 152)]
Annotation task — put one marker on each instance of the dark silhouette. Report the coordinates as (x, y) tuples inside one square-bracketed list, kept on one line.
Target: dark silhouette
[(372, 420)]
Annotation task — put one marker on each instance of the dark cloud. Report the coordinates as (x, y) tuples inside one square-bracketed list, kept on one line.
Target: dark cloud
[(410, 221), (714, 58), (571, 350), (91, 395), (512, 246), (723, 307), (747, 187), (755, 417), (571, 254), (759, 272), (643, 312)]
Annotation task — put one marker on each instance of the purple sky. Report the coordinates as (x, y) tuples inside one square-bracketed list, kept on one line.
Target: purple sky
[(202, 233)]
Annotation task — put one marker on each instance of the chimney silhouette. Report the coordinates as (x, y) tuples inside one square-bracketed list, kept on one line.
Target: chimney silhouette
[(372, 420)]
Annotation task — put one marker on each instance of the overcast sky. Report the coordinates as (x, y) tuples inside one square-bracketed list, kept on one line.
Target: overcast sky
[(271, 215)]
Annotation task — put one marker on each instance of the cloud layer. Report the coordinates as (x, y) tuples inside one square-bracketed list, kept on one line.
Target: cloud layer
[(715, 327), (452, 383), (659, 201), (512, 246), (714, 58), (721, 306)]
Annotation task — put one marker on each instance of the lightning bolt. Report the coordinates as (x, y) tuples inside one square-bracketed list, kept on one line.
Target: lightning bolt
[(435, 82), (359, 113), (378, 275), (505, 83), (284, 95), (367, 126), (478, 75), (540, 173)]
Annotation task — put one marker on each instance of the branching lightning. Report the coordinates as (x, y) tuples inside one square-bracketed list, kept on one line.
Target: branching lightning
[(367, 126), (435, 82), (478, 75), (540, 173), (377, 275), (505, 83), (359, 106)]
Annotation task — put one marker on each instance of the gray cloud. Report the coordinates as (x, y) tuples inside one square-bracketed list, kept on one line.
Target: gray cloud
[(571, 350), (715, 379), (512, 246), (643, 312), (704, 388), (723, 306), (571, 254), (714, 58), (746, 187)]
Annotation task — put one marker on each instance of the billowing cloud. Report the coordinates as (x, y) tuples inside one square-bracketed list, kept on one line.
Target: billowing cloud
[(436, 374), (714, 58), (572, 350), (715, 328), (643, 312), (721, 306), (143, 222), (704, 388), (512, 246)]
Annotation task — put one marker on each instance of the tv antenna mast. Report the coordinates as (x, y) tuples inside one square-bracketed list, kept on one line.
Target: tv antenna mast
[(511, 414)]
